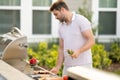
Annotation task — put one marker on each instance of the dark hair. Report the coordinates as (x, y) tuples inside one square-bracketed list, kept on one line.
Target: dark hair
[(58, 5)]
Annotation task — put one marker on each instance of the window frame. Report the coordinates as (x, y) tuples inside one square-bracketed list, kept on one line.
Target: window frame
[(95, 18), (26, 25), (26, 13), (10, 7)]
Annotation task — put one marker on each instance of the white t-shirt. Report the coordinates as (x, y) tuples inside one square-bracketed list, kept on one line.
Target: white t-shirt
[(73, 39)]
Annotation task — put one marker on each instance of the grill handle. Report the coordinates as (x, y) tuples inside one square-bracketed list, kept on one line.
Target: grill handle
[(21, 45)]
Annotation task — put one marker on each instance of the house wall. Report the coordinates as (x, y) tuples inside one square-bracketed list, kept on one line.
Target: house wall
[(26, 19), (74, 5)]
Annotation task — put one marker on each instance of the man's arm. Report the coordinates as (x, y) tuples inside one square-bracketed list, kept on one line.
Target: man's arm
[(60, 54), (90, 41), (60, 58)]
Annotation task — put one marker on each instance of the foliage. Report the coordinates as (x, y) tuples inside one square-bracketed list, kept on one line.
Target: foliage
[(46, 56), (85, 12), (100, 57), (88, 14), (115, 52)]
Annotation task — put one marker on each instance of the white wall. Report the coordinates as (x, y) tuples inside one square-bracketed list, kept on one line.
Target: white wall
[(74, 5)]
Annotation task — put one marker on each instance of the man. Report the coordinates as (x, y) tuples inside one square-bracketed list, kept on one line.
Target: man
[(76, 35)]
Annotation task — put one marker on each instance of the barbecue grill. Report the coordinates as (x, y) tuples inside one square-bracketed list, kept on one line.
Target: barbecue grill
[(13, 51)]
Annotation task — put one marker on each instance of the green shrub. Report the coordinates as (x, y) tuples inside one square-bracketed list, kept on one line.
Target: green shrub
[(115, 52), (100, 57), (46, 56)]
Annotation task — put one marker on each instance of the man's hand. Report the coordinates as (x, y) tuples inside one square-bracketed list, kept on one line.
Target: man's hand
[(55, 70), (75, 54)]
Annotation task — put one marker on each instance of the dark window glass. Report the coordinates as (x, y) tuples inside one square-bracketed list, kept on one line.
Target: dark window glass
[(107, 22), (41, 22), (10, 2), (8, 19), (107, 3), (42, 2)]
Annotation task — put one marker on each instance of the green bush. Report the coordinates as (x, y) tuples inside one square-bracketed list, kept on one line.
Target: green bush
[(46, 56), (100, 57), (115, 52)]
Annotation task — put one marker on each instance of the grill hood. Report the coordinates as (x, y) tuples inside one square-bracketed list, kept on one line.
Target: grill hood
[(13, 45)]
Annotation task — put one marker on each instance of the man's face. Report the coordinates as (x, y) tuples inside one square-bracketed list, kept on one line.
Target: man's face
[(59, 15)]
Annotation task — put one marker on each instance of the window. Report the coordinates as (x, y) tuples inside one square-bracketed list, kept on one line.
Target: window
[(107, 17), (107, 20), (42, 2), (41, 22), (10, 2), (9, 17), (41, 17), (107, 3), (32, 17)]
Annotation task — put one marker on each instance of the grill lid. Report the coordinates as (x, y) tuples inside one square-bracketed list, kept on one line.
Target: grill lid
[(13, 45)]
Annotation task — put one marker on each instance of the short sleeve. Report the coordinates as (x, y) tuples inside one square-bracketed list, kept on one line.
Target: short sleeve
[(84, 23), (59, 31)]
